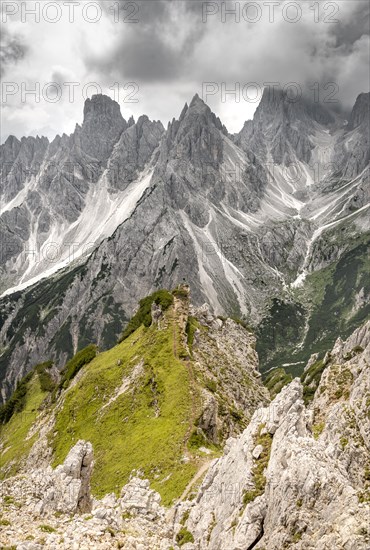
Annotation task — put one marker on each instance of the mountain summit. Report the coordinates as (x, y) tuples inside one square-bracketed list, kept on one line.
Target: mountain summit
[(102, 126), (360, 113)]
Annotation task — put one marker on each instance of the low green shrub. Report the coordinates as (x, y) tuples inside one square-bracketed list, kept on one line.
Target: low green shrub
[(311, 380), (317, 429), (184, 536), (46, 381), (191, 327), (47, 528), (211, 384), (236, 415), (82, 358), (196, 440), (180, 292), (276, 380), (143, 316)]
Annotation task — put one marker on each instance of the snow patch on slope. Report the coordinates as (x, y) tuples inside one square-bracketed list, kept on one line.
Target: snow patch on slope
[(65, 244)]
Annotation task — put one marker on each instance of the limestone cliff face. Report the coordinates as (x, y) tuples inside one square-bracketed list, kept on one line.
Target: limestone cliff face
[(225, 358)]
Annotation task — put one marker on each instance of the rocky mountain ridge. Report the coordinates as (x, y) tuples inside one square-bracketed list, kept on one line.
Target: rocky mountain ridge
[(305, 468), (179, 376), (296, 477)]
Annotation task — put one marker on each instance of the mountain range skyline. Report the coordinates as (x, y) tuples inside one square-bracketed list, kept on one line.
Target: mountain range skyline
[(104, 111), (297, 94)]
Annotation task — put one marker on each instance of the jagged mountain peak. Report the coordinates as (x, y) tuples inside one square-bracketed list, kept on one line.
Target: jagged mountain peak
[(292, 106), (102, 126), (272, 97), (198, 107), (361, 111), (101, 105), (11, 141), (194, 117), (198, 103), (142, 119), (285, 126), (134, 151)]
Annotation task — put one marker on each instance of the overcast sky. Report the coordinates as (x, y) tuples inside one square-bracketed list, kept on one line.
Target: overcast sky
[(160, 53)]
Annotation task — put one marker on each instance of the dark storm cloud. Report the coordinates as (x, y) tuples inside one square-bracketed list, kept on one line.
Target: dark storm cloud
[(172, 44), (142, 56), (158, 47), (348, 31), (12, 49)]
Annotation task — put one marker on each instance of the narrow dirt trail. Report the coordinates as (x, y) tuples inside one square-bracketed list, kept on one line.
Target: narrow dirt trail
[(174, 336), (203, 463), (202, 470)]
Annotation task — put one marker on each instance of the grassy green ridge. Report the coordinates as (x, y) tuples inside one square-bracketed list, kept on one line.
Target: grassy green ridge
[(137, 403), (145, 428)]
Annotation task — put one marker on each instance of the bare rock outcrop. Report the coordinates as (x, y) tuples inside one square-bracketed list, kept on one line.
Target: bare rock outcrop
[(65, 489), (298, 477)]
